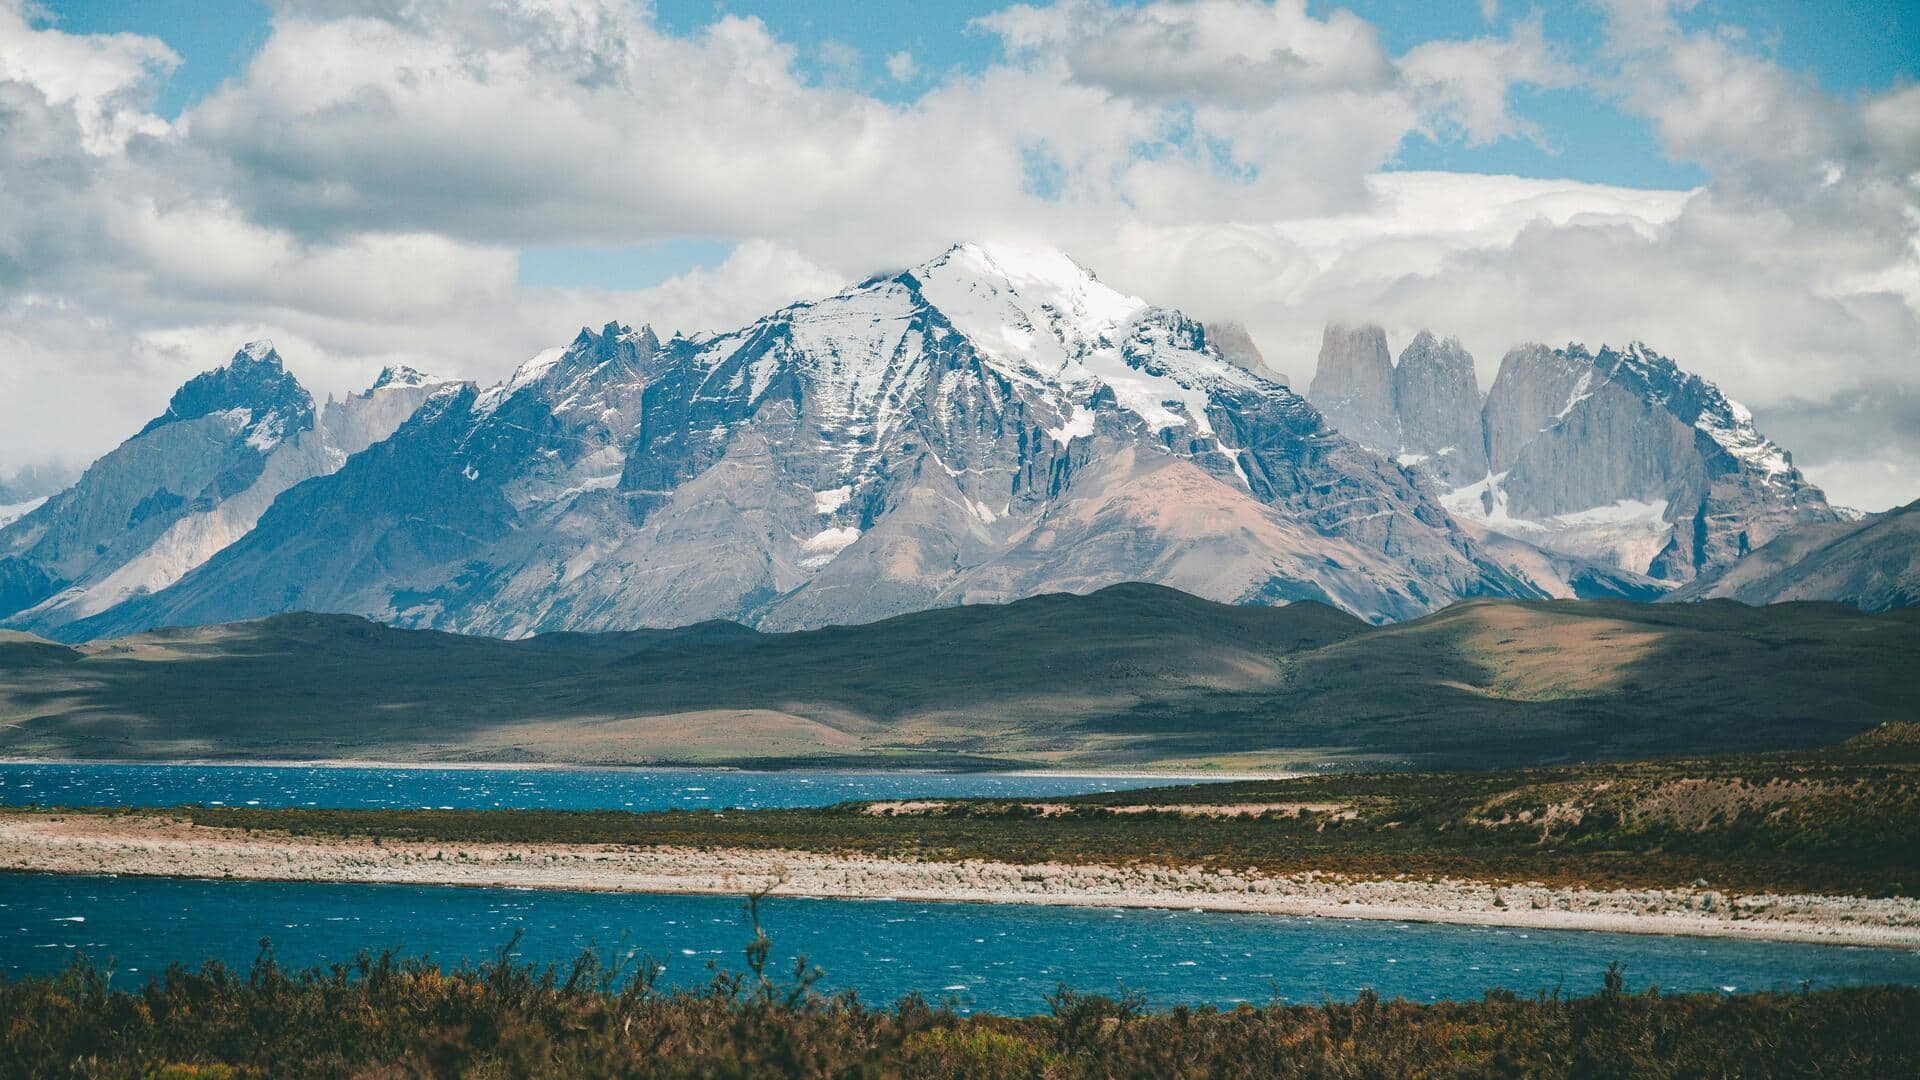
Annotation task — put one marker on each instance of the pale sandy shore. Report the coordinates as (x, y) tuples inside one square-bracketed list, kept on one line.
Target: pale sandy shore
[(146, 845)]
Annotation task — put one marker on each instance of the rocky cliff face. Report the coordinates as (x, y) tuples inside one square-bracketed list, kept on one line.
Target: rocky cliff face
[(1436, 398), (991, 424), (192, 481), (1872, 564), (1622, 457), (1618, 459), (1237, 347), (1353, 386), (1533, 390), (1423, 412)]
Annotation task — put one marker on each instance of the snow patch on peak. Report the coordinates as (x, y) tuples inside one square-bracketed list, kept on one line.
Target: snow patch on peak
[(1034, 307), (537, 366), (1041, 319), (832, 540), (1727, 422), (1078, 426), (12, 512), (260, 350), (523, 376), (400, 375), (267, 435), (1733, 429)]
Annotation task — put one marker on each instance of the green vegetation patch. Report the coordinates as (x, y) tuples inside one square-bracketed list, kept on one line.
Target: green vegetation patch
[(387, 1017)]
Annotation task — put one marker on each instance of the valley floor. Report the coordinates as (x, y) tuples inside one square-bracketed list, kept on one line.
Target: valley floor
[(159, 844)]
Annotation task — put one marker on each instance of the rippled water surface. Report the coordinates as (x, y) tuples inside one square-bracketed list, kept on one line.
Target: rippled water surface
[(985, 956), (410, 788)]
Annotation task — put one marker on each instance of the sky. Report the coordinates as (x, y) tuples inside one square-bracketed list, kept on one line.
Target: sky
[(458, 184)]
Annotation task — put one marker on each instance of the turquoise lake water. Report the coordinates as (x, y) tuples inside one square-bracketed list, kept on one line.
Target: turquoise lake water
[(983, 956), (412, 788), (1000, 957)]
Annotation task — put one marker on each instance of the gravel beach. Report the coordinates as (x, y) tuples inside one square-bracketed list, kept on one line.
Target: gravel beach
[(154, 845)]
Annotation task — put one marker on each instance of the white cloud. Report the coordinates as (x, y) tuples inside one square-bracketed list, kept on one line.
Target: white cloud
[(1242, 52), (105, 79), (359, 191), (1466, 83)]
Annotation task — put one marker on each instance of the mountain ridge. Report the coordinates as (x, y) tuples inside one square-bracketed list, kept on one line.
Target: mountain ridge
[(188, 484), (1872, 564), (1617, 456), (995, 422)]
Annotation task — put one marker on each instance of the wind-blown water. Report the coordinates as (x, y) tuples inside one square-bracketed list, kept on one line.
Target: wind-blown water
[(985, 956), (417, 787)]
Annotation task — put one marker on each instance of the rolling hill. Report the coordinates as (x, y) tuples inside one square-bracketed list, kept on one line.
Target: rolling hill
[(1131, 676)]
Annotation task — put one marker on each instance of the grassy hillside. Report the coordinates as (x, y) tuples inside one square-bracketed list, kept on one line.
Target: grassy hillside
[(1134, 675)]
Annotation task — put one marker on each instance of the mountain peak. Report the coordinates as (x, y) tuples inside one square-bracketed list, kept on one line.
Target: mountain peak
[(401, 375), (1698, 402), (617, 351), (1033, 306), (260, 352), (256, 381), (1353, 384), (1017, 262)]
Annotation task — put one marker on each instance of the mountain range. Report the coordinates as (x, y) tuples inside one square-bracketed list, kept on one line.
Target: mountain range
[(993, 424), (192, 481), (1615, 456)]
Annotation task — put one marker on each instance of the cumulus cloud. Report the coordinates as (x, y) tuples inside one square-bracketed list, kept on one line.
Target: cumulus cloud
[(359, 190), (1236, 51), (105, 80)]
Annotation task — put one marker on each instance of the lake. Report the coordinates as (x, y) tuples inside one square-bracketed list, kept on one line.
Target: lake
[(983, 956), (418, 787)]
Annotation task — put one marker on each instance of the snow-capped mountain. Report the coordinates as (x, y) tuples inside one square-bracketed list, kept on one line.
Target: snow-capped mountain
[(1617, 457), (994, 423), (1620, 454), (191, 482)]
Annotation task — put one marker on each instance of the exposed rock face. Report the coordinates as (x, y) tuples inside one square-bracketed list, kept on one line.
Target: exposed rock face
[(991, 424), (1353, 386), (1618, 459), (191, 482), (1873, 564), (1436, 397), (1237, 347), (1423, 413), (1622, 457), (1533, 389)]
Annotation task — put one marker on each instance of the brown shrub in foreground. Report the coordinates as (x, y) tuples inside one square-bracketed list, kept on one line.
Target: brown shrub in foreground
[(385, 1017)]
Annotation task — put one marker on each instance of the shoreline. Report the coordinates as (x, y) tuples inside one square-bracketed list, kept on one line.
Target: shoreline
[(158, 846), (568, 766)]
